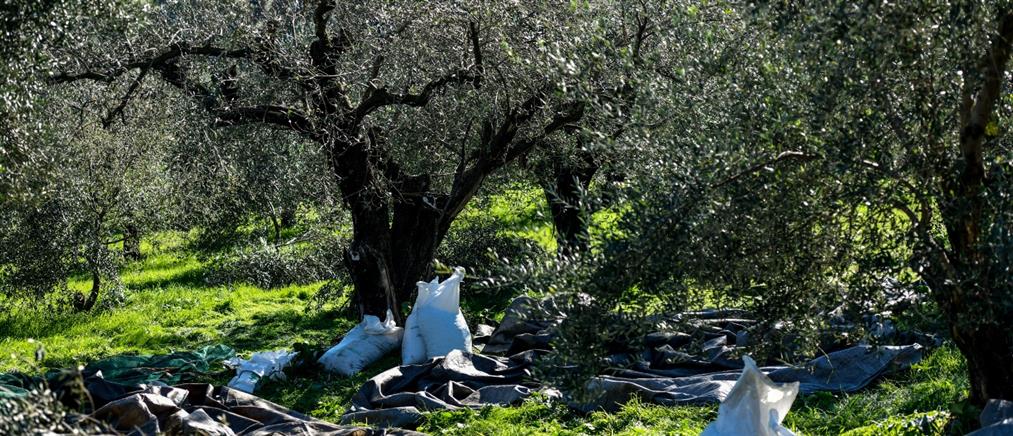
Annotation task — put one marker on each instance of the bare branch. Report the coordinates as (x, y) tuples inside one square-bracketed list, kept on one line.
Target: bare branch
[(109, 74), (280, 116), (108, 119)]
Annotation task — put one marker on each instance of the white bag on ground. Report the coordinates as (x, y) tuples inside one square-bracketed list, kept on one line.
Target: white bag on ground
[(265, 364), (364, 344), (413, 347), (440, 320), (754, 406)]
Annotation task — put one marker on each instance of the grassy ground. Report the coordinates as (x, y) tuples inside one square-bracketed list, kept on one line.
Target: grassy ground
[(169, 307)]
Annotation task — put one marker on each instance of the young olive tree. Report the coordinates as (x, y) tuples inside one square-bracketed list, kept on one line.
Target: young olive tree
[(621, 36), (105, 189), (414, 104)]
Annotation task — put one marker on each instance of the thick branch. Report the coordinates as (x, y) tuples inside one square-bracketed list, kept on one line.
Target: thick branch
[(963, 210), (266, 114), (377, 97), (994, 65), (174, 52)]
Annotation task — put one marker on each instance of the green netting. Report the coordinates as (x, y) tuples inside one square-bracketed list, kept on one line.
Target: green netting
[(131, 369)]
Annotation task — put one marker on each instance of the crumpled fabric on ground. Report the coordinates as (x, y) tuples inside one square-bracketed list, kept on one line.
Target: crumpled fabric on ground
[(996, 419), (205, 409), (677, 368), (199, 408), (397, 397), (135, 400)]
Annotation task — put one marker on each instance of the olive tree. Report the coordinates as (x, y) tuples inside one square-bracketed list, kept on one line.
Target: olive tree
[(414, 105), (105, 189), (911, 100)]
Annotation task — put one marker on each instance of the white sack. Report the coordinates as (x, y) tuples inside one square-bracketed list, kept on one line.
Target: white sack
[(366, 343), (413, 347), (265, 364), (754, 406), (440, 319)]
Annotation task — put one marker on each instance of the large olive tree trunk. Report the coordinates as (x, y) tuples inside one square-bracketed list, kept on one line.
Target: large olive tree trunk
[(385, 260)]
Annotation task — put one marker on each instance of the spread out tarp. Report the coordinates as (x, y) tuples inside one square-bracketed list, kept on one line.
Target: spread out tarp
[(996, 419), (206, 409), (129, 370), (136, 400), (678, 368)]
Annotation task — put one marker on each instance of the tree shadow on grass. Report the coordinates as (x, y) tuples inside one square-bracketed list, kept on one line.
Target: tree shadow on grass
[(191, 278), (281, 328)]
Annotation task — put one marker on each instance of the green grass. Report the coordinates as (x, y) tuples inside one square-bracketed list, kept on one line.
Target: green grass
[(168, 307), (540, 416)]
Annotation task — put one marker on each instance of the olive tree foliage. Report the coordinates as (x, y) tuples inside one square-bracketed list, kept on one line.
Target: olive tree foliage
[(852, 144), (106, 187), (73, 187), (26, 29), (911, 101), (413, 105)]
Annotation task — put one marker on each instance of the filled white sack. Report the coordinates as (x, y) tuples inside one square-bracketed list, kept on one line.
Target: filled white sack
[(366, 343), (440, 319), (413, 346), (261, 365), (754, 406)]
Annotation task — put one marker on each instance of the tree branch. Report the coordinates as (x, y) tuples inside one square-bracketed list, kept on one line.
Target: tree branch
[(377, 97), (976, 111), (107, 121), (380, 97), (174, 52)]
